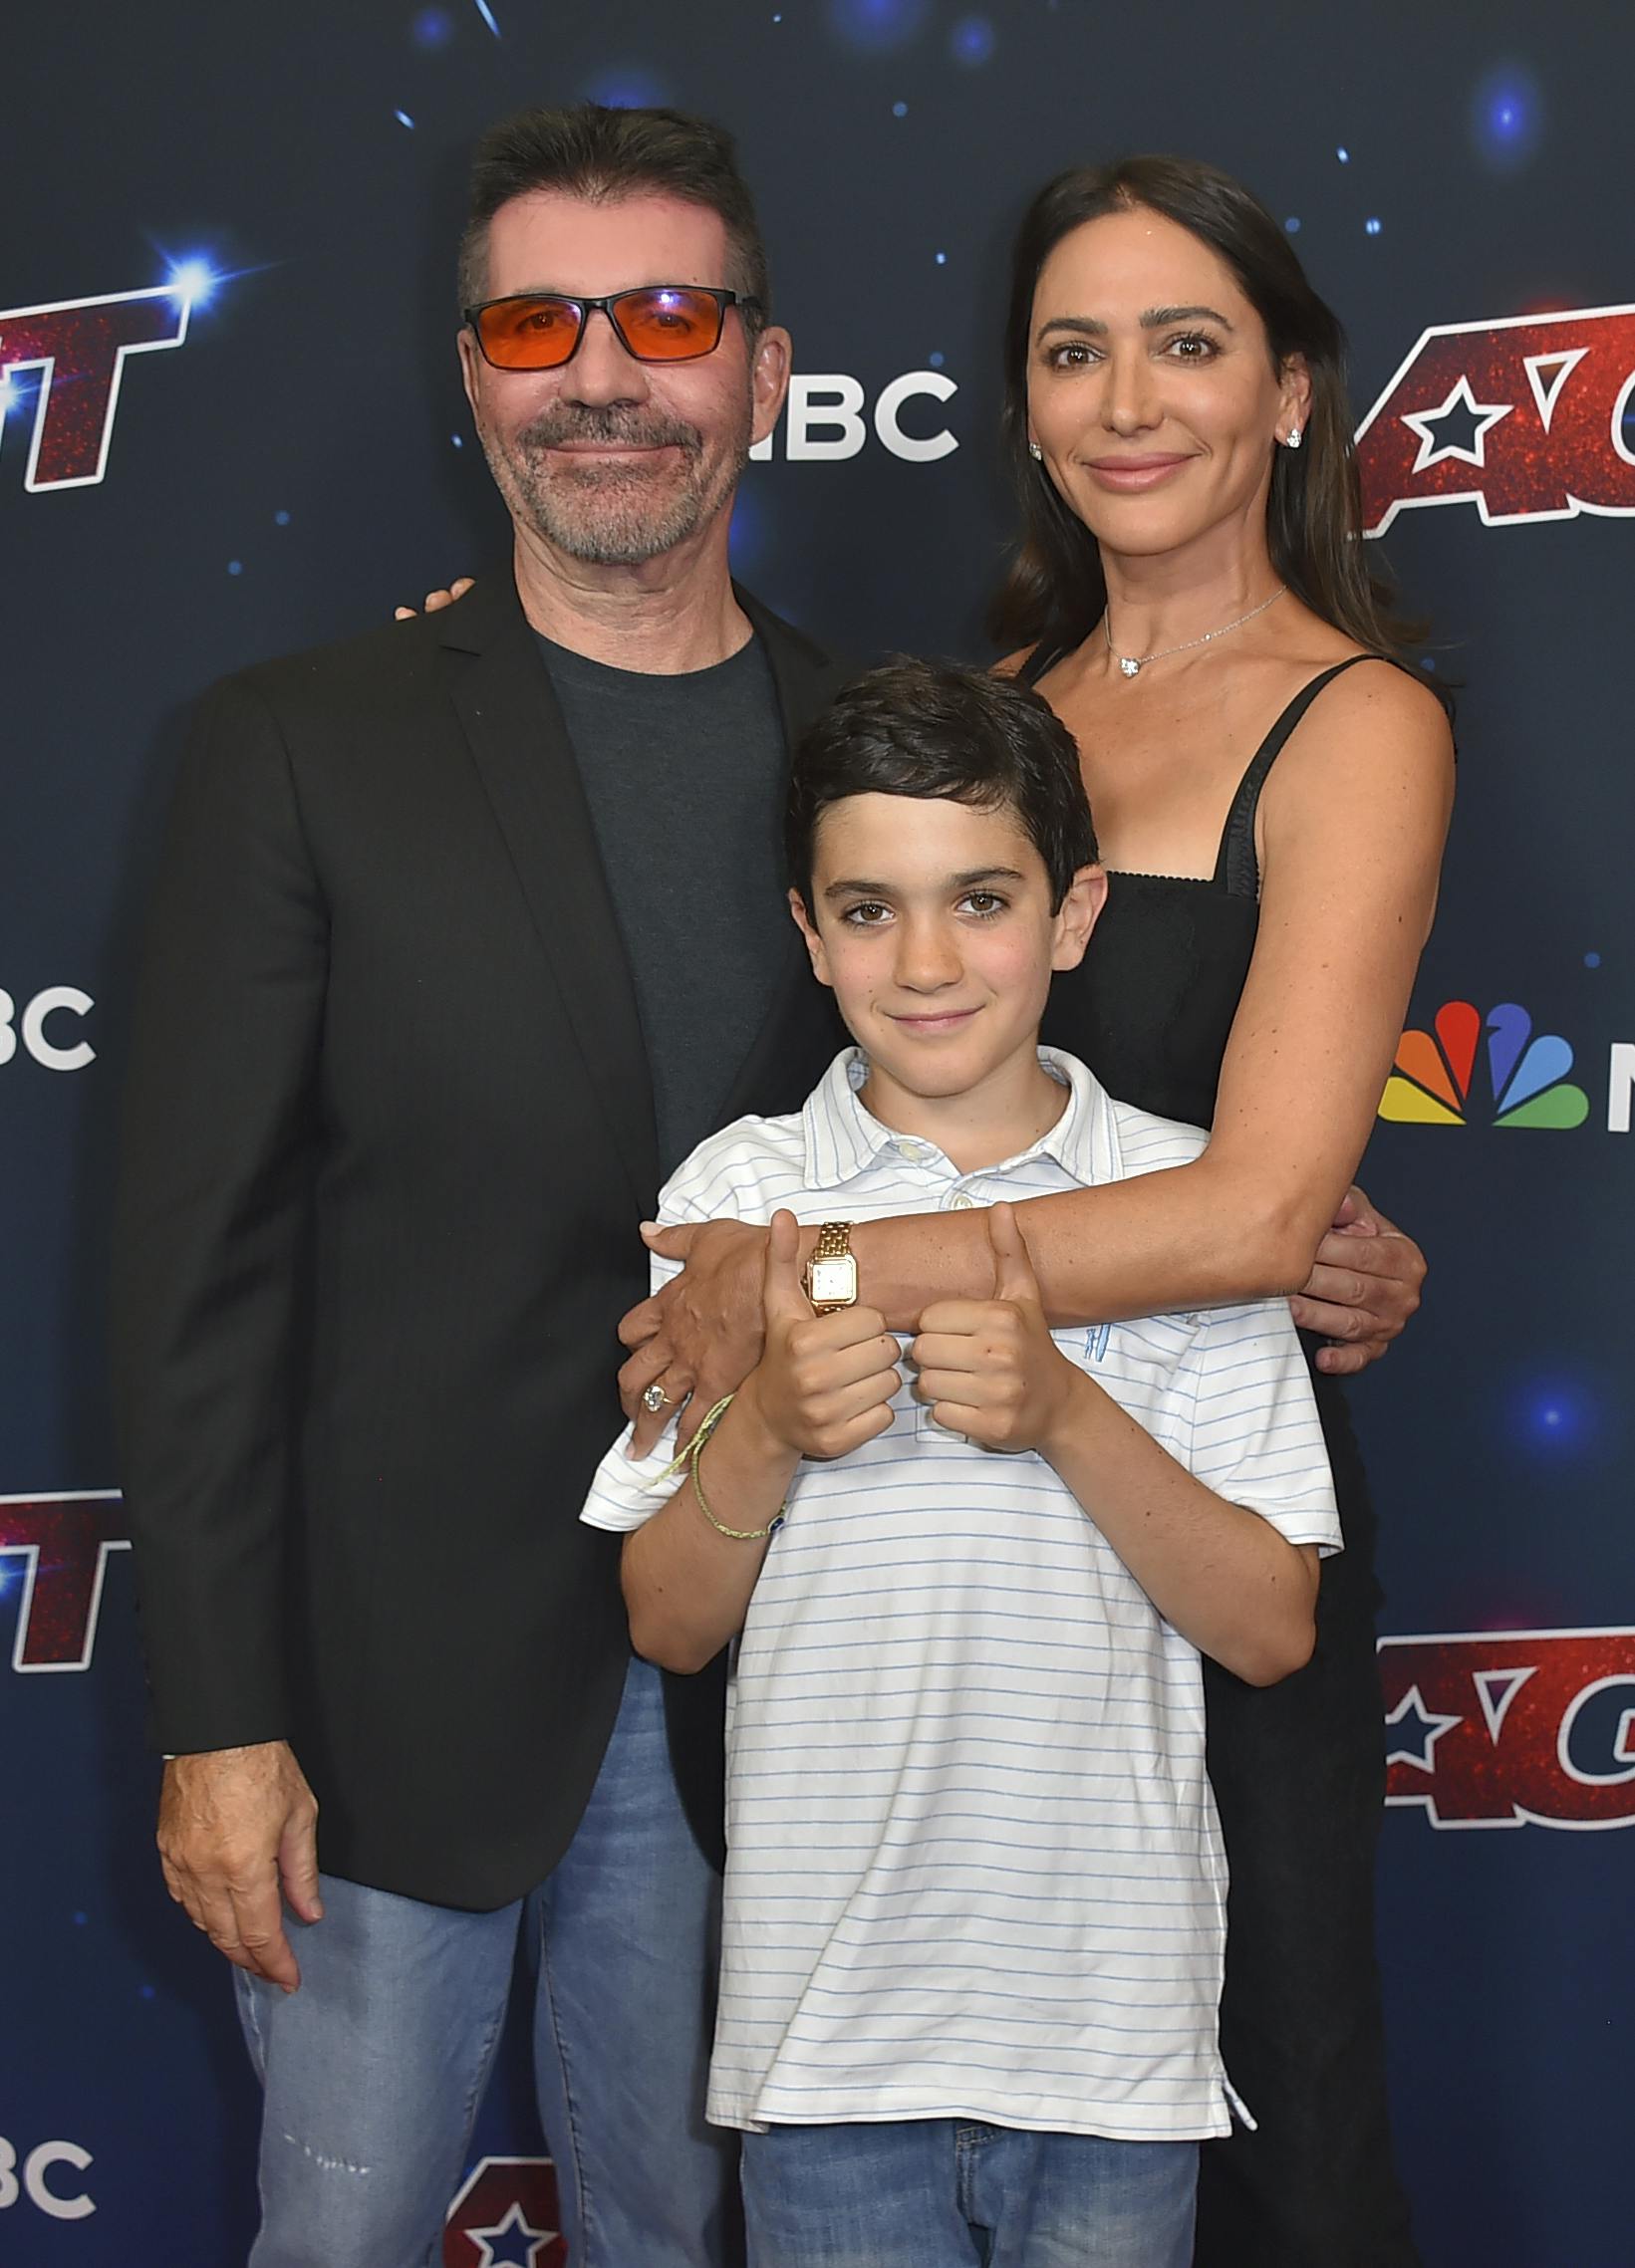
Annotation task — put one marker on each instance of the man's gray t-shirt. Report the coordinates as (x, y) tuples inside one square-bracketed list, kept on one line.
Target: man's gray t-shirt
[(684, 777)]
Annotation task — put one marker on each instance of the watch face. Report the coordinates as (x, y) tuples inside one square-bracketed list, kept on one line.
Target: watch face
[(834, 1282)]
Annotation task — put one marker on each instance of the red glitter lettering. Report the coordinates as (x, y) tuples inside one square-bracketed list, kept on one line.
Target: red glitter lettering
[(1524, 418), (79, 346)]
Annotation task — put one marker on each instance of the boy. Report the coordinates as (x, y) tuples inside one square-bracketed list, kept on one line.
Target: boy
[(974, 1899)]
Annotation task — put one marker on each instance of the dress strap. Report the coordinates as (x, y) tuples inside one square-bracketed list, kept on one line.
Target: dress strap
[(1237, 868), (1043, 657)]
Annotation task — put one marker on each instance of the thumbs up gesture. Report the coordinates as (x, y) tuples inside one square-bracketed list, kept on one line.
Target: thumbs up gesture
[(824, 1383), (989, 1368)]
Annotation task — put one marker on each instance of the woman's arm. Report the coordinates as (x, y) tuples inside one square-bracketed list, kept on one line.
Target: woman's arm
[(1354, 818)]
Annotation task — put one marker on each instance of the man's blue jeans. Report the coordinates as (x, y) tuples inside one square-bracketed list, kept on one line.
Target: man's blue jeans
[(375, 2068), (955, 2193)]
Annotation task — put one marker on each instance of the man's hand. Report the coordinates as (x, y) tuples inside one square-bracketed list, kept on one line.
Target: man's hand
[(824, 1384), (436, 601), (234, 1825), (701, 1334), (989, 1368), (1363, 1288)]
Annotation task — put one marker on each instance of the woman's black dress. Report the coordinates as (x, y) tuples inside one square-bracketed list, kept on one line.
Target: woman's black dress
[(1298, 1768)]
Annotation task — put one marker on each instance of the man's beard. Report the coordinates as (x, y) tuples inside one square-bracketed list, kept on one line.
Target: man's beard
[(605, 511)]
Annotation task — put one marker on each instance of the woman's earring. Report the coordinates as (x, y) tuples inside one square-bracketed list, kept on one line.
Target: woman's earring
[(1035, 452), (1291, 439)]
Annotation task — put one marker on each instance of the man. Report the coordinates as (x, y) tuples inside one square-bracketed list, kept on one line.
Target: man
[(464, 935)]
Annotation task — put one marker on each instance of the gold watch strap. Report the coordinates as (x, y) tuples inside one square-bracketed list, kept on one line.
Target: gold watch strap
[(834, 1242)]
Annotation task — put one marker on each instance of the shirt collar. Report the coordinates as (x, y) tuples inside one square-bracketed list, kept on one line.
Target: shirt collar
[(843, 1140)]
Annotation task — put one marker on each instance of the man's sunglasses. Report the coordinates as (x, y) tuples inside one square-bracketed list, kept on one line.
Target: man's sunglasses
[(658, 323)]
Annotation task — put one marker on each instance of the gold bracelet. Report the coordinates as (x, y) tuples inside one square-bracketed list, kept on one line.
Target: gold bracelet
[(689, 1458), (738, 1535), (706, 1426)]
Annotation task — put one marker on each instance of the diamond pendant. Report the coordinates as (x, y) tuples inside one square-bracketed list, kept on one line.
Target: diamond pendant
[(1130, 669)]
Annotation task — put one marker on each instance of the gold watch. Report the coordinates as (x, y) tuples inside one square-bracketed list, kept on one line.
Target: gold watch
[(830, 1275)]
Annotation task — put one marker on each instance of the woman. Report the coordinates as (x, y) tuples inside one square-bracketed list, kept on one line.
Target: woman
[(1272, 795)]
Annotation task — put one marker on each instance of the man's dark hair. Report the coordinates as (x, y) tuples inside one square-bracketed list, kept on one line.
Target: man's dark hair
[(935, 730), (607, 154)]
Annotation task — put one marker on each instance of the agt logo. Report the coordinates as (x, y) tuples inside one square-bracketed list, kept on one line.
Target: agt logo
[(505, 2217), (1524, 418), (1446, 1077), (80, 347), (59, 1545), (1512, 1728)]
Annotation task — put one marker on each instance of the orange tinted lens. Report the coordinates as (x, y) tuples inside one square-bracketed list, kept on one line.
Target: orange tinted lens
[(530, 334), (669, 325)]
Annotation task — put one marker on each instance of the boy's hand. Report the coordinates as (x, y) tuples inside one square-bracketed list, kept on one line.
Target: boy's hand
[(989, 1368), (824, 1384)]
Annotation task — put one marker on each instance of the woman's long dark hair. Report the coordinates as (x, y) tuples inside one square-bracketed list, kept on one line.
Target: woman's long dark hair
[(1054, 594)]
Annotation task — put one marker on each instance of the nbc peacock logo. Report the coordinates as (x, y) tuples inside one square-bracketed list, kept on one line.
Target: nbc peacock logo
[(1434, 1082)]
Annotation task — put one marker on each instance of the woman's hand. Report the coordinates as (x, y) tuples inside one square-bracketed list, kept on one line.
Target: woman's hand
[(1363, 1288), (701, 1333), (436, 601)]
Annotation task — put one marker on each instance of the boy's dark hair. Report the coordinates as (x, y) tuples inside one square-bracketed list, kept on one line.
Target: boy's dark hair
[(935, 730), (607, 154)]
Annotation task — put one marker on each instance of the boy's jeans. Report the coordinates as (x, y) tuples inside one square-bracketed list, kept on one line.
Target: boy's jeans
[(375, 2068), (954, 2193)]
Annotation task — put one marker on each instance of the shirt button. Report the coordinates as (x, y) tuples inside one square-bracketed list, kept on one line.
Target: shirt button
[(962, 1203)]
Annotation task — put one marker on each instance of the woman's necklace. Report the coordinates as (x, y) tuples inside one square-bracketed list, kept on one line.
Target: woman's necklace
[(1133, 667)]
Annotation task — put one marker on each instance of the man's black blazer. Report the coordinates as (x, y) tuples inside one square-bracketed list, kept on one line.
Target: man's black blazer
[(389, 1132)]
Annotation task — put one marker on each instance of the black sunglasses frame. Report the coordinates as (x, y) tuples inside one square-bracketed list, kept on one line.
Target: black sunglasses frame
[(588, 307)]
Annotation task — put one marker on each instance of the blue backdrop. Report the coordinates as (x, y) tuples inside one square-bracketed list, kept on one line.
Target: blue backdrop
[(233, 426)]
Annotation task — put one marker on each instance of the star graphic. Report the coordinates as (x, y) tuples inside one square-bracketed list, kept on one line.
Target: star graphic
[(1461, 406), (1429, 1726), (508, 2233)]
